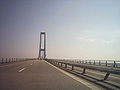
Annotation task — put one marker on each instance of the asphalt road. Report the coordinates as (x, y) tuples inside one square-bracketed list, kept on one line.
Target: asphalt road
[(36, 75)]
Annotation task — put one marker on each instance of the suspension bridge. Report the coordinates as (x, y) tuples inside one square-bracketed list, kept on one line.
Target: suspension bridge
[(42, 73)]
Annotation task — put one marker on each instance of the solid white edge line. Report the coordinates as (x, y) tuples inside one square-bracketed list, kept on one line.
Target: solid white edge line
[(91, 86), (21, 69)]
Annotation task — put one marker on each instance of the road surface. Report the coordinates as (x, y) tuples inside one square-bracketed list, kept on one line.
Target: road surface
[(37, 75)]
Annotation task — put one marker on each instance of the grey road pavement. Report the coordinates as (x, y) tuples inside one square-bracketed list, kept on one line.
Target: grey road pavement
[(36, 75)]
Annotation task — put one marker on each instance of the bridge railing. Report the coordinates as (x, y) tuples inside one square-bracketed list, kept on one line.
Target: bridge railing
[(65, 63), (108, 63), (9, 60)]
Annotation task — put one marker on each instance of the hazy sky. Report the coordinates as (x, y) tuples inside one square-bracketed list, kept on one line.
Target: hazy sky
[(74, 28)]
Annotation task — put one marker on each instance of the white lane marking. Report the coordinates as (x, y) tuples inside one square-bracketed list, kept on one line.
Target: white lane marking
[(21, 70), (11, 64), (91, 86)]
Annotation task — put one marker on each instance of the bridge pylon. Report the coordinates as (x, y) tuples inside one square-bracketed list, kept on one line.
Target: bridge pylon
[(42, 46)]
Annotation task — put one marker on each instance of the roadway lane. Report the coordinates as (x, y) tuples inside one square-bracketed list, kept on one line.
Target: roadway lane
[(36, 75), (11, 66)]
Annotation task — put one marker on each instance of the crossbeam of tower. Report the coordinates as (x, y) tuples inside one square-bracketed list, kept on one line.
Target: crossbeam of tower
[(42, 50)]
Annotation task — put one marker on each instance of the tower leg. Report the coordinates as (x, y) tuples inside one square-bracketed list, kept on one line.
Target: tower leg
[(42, 51)]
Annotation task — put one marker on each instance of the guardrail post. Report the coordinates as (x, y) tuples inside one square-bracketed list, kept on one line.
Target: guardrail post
[(72, 67), (106, 76), (84, 69), (94, 62), (99, 62), (89, 61), (106, 63), (65, 65), (114, 65)]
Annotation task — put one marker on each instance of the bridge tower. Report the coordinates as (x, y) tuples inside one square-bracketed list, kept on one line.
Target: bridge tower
[(42, 46)]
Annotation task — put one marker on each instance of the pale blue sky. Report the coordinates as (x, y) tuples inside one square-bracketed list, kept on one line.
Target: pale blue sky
[(88, 29)]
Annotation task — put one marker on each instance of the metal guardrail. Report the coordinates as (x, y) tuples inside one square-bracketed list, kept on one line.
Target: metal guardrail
[(107, 70), (9, 60), (108, 63)]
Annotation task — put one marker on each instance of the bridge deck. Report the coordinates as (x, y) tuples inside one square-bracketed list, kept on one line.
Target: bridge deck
[(36, 75)]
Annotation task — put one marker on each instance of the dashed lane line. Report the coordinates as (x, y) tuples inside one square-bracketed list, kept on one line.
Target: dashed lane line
[(2, 66), (21, 69)]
